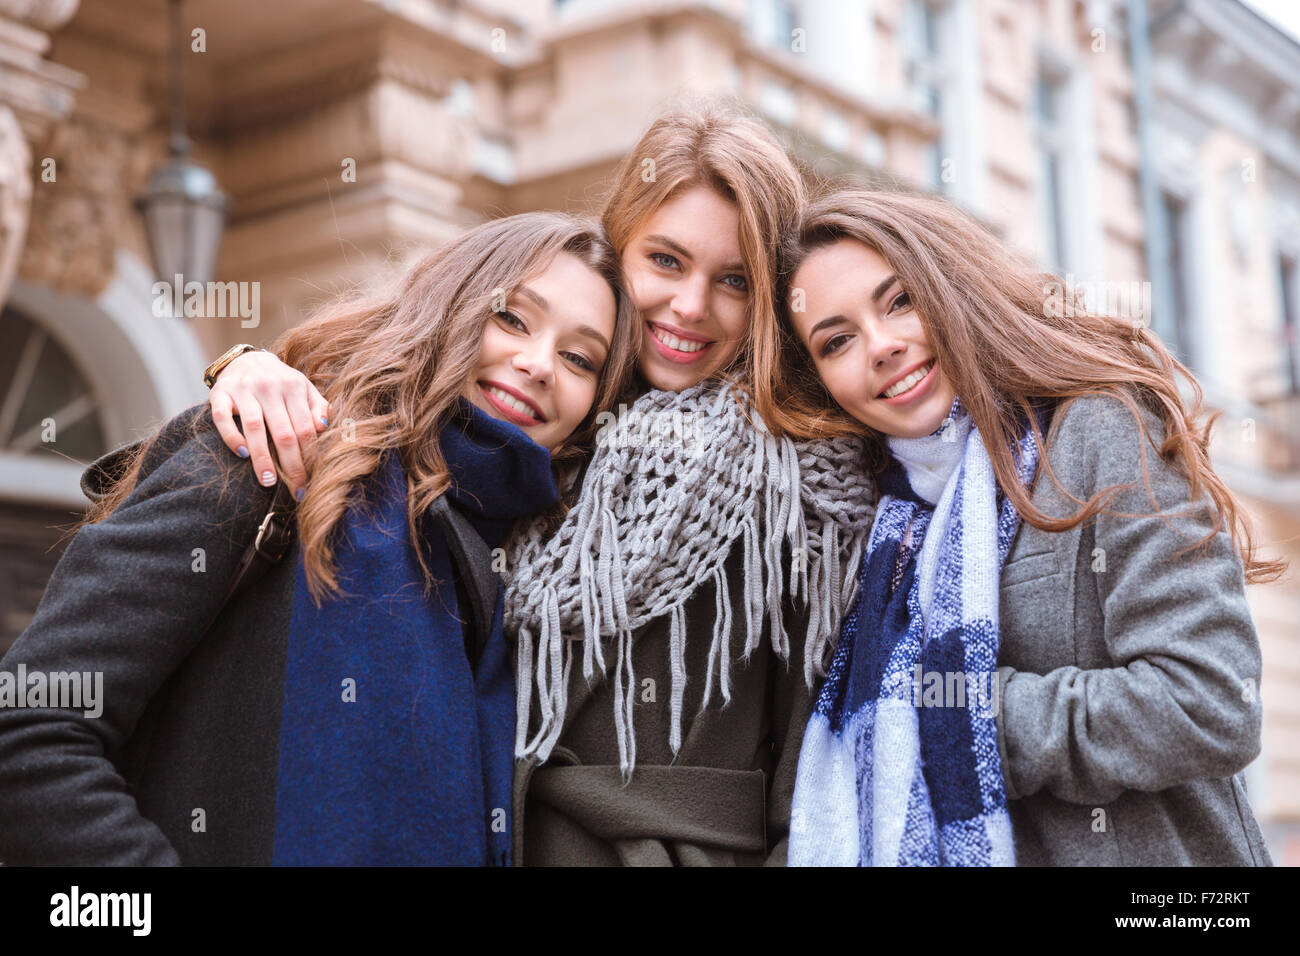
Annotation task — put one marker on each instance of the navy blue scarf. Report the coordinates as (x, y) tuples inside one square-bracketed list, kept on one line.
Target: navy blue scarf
[(393, 749)]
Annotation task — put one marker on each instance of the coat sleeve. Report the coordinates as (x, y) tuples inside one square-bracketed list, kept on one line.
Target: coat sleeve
[(792, 705), (1181, 702), (128, 600)]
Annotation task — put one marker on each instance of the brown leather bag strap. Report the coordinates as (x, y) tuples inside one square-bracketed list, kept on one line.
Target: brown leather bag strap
[(274, 535)]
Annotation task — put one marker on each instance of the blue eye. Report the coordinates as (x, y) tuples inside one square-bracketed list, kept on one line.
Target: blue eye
[(668, 261), (743, 283)]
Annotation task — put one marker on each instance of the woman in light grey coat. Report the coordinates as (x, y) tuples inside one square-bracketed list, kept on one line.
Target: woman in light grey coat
[(1050, 534)]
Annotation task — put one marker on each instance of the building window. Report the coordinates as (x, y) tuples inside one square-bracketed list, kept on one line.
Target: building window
[(1289, 276), (922, 52), (778, 101), (873, 151), (494, 158), (1050, 133), (45, 402), (772, 22), (783, 16), (928, 57), (835, 131), (1181, 299), (459, 100)]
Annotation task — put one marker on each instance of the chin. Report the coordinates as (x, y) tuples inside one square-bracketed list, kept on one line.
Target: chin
[(913, 426), (669, 380), (919, 431)]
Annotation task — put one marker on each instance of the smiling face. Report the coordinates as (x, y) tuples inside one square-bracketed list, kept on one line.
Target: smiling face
[(688, 281), (867, 341), (541, 357)]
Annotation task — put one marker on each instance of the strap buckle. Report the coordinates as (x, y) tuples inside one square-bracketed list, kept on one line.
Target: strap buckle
[(274, 530), (262, 529)]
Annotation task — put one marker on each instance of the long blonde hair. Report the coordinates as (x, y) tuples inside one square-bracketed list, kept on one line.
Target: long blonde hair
[(989, 322), (394, 363), (716, 143)]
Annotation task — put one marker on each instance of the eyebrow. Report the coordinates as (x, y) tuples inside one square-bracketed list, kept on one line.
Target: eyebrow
[(825, 323), (589, 332), (876, 293), (538, 300), (681, 251), (882, 288)]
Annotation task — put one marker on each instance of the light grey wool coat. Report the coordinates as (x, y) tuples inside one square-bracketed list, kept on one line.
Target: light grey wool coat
[(1129, 673)]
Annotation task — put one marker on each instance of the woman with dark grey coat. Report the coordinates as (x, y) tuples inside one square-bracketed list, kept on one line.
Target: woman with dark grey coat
[(342, 710)]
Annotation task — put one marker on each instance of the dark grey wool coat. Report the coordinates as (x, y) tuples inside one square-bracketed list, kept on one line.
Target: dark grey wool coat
[(181, 765)]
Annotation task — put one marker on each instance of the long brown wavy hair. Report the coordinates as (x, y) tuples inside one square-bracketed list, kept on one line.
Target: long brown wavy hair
[(393, 364), (717, 143), (989, 322)]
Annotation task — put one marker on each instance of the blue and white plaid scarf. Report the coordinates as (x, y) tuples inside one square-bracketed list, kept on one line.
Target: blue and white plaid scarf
[(900, 764)]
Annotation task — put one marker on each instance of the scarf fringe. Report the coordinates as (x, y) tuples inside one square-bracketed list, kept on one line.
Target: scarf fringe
[(677, 665), (777, 483), (523, 689), (624, 698), (720, 649)]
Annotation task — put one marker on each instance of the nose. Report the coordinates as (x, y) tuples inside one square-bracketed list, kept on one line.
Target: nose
[(885, 348), (691, 301), (535, 361)]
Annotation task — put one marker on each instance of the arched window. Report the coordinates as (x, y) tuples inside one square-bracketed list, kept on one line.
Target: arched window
[(48, 416), (46, 405), (78, 377)]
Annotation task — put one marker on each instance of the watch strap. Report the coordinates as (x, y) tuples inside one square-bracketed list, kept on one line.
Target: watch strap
[(225, 358)]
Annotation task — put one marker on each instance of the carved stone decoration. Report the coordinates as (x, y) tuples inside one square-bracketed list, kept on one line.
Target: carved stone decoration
[(78, 221), (32, 93), (15, 195), (46, 15)]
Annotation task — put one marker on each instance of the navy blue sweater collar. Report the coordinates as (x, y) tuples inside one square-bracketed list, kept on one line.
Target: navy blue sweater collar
[(498, 474)]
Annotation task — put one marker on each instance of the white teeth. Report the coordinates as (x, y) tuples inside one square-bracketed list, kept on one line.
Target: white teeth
[(673, 342), (910, 381), (513, 402)]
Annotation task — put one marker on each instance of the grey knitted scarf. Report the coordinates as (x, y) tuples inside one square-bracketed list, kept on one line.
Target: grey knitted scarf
[(676, 482)]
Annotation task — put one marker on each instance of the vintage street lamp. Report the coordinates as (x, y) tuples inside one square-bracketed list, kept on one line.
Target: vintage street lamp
[(183, 208)]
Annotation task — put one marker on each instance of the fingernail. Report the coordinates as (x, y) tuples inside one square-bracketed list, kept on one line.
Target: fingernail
[(268, 477), (299, 493), (243, 452), (324, 420)]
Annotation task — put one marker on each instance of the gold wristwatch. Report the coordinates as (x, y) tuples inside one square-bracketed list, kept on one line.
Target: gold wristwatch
[(212, 371)]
